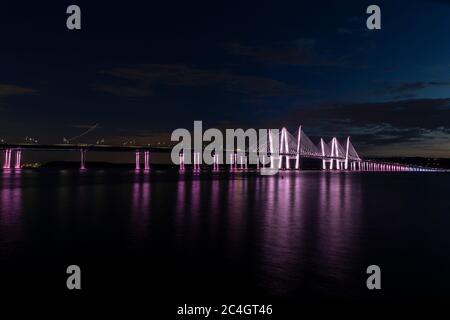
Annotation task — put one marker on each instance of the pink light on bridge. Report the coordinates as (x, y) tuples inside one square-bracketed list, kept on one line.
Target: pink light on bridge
[(324, 165), (7, 159), (138, 161), (196, 161), (297, 159), (147, 160), (181, 157), (83, 159), (284, 148), (18, 159), (271, 149), (332, 153), (216, 162)]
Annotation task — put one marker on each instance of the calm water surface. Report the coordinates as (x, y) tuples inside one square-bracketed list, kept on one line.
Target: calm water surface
[(208, 236)]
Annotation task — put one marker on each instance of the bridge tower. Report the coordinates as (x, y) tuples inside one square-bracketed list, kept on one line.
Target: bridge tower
[(271, 150), (299, 141), (346, 154), (333, 151), (322, 146), (284, 149)]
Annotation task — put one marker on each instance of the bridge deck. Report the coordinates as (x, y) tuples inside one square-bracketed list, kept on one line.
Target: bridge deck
[(130, 148)]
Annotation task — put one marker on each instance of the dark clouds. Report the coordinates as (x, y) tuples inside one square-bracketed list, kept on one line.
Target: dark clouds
[(408, 87), (139, 81), (13, 90), (425, 113), (300, 52), (415, 122)]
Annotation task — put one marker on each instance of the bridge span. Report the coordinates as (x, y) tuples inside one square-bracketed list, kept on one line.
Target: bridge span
[(282, 151)]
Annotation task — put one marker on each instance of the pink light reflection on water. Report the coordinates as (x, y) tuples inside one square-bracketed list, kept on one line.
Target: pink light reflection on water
[(140, 206), (10, 206), (309, 221), (340, 211), (281, 231)]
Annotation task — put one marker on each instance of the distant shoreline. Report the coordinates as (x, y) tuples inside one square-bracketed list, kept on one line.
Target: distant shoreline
[(441, 163)]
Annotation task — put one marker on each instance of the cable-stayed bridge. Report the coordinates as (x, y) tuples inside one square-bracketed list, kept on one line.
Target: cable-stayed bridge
[(276, 150)]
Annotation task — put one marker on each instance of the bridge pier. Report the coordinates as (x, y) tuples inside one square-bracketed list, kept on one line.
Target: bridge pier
[(233, 162), (7, 159), (242, 162), (216, 162), (18, 159), (263, 164), (181, 160), (147, 160), (196, 161), (138, 161), (83, 159)]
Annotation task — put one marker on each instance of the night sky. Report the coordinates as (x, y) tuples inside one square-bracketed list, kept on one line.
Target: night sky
[(142, 69)]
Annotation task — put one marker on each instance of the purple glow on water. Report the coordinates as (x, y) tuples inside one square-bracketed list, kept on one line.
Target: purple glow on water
[(290, 234), (140, 206)]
